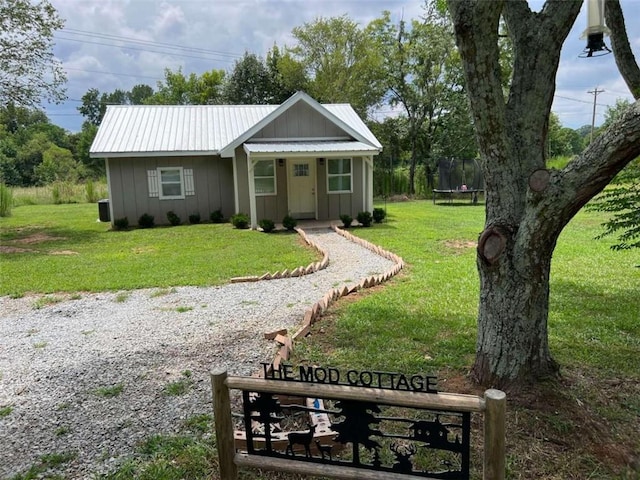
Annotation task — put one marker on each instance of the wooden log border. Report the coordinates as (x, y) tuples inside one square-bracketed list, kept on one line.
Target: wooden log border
[(492, 406)]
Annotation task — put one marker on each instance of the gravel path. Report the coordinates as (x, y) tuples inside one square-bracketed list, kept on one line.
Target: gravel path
[(59, 363)]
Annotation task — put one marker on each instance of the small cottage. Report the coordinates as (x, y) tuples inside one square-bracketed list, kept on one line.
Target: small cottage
[(301, 158)]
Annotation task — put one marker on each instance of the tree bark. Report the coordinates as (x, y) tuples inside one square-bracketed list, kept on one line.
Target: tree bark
[(523, 224), (625, 60)]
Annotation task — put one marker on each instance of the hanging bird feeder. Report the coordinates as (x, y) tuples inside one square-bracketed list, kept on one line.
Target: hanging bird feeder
[(595, 31)]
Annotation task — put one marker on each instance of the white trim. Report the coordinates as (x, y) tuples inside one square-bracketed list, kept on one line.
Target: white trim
[(252, 194), (179, 153), (329, 192), (298, 139), (254, 161), (160, 184), (236, 198), (369, 194)]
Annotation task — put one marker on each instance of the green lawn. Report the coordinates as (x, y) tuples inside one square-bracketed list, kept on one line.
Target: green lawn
[(62, 248), (582, 425)]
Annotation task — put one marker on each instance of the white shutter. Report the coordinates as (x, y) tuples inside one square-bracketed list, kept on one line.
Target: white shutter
[(189, 186), (152, 180)]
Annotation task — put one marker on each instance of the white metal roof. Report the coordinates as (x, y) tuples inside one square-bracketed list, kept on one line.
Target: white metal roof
[(345, 148), (141, 130)]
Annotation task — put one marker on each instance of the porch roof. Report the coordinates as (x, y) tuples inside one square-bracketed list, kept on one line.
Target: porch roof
[(319, 148)]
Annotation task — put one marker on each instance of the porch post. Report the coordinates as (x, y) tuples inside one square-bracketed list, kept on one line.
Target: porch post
[(252, 193)]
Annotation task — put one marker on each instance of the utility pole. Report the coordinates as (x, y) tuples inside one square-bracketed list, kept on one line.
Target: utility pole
[(595, 93)]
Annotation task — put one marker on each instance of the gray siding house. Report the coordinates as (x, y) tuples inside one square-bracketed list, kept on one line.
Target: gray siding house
[(302, 158)]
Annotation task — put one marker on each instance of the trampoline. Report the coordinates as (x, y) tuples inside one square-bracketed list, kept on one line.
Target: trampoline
[(459, 176)]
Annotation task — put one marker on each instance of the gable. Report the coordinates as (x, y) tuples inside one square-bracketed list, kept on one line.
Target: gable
[(301, 121)]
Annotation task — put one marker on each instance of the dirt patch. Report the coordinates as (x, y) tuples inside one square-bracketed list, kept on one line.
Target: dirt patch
[(459, 245), (63, 252), (37, 238), (7, 249)]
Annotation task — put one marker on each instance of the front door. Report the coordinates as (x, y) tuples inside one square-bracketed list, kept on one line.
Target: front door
[(302, 188)]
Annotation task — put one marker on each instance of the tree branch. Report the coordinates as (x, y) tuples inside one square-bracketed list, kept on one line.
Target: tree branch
[(625, 60)]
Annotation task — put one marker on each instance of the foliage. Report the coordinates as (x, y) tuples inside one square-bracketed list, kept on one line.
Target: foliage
[(346, 219), (342, 60), (289, 222), (178, 89), (121, 223), (267, 225), (62, 192), (194, 218), (379, 214), (240, 221), (58, 165), (94, 103), (249, 82), (29, 71), (216, 216), (173, 218), (423, 77), (146, 221), (6, 200), (108, 260), (365, 218)]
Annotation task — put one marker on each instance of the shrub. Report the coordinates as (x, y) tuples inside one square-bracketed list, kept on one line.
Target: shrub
[(216, 217), (240, 220), (62, 192), (194, 218), (173, 218), (379, 214), (146, 221), (346, 220), (6, 200), (121, 223), (267, 225), (289, 222), (365, 219)]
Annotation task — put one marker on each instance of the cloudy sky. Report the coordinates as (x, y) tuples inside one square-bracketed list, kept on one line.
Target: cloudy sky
[(109, 44)]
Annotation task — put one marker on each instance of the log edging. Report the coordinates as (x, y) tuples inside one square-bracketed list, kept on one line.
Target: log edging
[(315, 312)]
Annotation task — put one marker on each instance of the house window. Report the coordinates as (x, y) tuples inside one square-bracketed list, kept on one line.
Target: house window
[(300, 169), (264, 177), (171, 183), (339, 175)]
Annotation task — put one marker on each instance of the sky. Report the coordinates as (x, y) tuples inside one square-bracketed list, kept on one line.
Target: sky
[(111, 44)]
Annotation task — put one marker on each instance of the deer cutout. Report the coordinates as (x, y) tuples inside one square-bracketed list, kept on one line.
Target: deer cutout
[(403, 457), (301, 438), (324, 449)]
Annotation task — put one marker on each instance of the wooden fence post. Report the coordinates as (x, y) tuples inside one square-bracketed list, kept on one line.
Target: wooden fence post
[(224, 425), (494, 435)]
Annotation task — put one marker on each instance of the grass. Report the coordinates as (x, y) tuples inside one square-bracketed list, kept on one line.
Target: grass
[(5, 411), (62, 248), (180, 386), (582, 425), (110, 392), (46, 467)]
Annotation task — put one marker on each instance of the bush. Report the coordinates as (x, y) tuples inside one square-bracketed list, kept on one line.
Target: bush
[(194, 218), (379, 214), (240, 220), (346, 220), (146, 221), (121, 223), (267, 225), (289, 222), (216, 217), (173, 218), (6, 200), (365, 219)]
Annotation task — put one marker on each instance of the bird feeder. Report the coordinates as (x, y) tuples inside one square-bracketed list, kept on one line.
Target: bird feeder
[(595, 31)]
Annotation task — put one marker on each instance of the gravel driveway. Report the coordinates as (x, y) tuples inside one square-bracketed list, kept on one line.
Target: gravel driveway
[(89, 375)]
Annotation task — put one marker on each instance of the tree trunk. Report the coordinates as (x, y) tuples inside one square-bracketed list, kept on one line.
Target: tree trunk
[(412, 166), (527, 206)]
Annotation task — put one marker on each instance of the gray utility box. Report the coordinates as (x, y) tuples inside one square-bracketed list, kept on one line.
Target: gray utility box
[(103, 210)]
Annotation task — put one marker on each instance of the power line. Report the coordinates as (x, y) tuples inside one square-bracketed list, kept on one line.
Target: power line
[(113, 73), (170, 46)]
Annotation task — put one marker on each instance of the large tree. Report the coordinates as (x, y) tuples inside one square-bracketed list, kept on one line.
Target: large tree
[(420, 75), (28, 70), (527, 206), (342, 62)]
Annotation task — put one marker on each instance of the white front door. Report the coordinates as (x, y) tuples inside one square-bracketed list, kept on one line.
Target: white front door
[(302, 188)]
